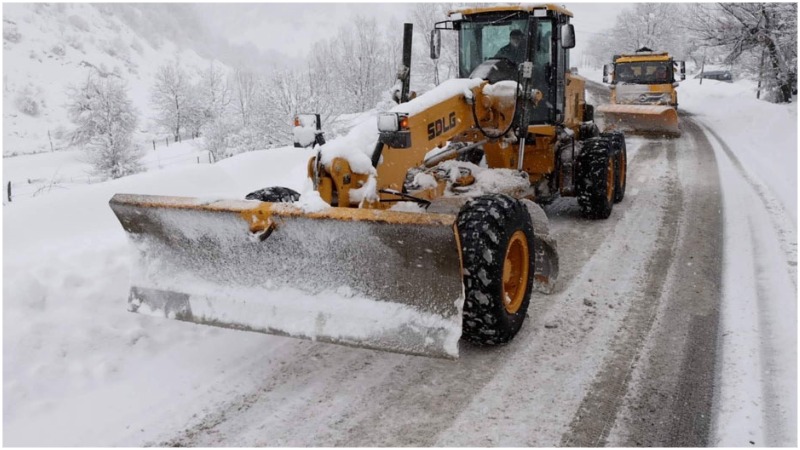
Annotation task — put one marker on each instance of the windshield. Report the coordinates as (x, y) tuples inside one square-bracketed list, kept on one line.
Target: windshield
[(501, 38), (650, 72)]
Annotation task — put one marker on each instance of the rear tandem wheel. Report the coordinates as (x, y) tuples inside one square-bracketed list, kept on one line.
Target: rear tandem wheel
[(620, 153), (596, 178)]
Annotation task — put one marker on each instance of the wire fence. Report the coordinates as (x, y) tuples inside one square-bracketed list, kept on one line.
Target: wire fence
[(32, 187), (204, 157), (166, 141)]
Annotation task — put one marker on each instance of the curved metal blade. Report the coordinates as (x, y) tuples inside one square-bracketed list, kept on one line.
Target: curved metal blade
[(377, 279), (640, 118)]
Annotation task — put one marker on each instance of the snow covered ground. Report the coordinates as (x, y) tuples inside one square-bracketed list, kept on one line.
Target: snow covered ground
[(77, 365), (69, 344)]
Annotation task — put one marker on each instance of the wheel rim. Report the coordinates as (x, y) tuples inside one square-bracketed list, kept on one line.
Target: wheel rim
[(610, 180), (515, 272), (623, 167)]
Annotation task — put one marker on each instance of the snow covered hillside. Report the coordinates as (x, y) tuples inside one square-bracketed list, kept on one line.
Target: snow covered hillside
[(48, 47)]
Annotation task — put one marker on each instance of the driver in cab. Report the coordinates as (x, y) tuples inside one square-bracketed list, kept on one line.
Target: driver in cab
[(514, 50)]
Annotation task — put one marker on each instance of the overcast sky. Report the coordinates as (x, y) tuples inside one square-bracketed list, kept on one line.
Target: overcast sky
[(292, 28)]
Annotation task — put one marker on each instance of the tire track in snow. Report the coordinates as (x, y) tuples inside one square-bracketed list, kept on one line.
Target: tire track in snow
[(593, 420), (669, 399), (326, 395)]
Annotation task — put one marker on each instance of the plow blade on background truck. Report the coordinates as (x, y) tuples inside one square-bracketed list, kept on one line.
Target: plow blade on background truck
[(640, 118), (377, 279)]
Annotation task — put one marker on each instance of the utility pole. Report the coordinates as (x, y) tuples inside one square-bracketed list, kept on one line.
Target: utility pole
[(703, 66)]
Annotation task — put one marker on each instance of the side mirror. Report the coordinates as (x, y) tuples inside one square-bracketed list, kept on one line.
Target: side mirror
[(608, 70), (567, 36), (681, 69), (436, 43)]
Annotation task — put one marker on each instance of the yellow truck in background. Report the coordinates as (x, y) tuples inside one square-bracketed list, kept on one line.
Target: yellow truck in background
[(643, 94)]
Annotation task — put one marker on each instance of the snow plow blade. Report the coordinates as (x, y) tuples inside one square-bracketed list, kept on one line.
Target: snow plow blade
[(640, 118), (376, 279)]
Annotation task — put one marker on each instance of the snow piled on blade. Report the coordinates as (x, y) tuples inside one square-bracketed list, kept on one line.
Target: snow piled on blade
[(356, 282)]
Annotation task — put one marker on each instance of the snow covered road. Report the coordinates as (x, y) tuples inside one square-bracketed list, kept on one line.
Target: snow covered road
[(640, 344)]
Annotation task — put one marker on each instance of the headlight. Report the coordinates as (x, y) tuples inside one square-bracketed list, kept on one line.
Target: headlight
[(392, 122)]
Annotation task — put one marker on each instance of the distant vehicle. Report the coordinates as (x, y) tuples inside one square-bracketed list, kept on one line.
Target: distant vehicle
[(719, 75), (307, 130), (643, 95)]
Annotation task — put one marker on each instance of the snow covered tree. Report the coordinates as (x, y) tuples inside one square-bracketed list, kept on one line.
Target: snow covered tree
[(355, 64), (768, 29), (195, 113), (245, 86), (170, 97), (658, 26), (105, 120), (219, 136), (214, 90), (433, 71)]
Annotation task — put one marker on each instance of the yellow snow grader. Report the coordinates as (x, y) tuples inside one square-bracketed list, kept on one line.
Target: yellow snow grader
[(643, 95), (427, 234)]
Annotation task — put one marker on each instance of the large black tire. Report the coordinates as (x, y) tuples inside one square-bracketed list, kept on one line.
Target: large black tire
[(275, 194), (596, 179), (620, 153), (496, 237)]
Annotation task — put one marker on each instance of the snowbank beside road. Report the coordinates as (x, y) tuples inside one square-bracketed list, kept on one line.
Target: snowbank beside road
[(763, 135), (67, 335)]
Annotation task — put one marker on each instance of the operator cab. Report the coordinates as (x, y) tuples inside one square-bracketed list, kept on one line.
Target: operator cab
[(487, 49)]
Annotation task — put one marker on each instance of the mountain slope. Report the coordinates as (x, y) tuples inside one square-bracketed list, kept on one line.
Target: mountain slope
[(48, 47)]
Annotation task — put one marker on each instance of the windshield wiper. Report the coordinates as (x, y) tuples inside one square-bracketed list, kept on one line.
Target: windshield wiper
[(503, 18)]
